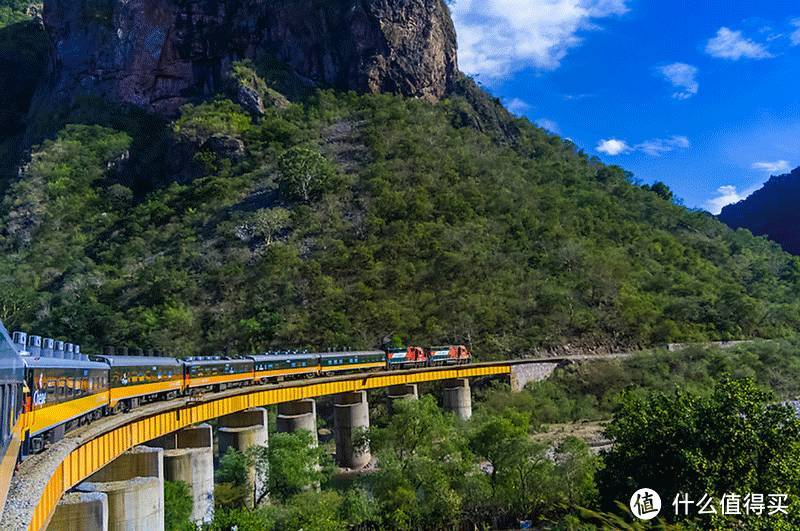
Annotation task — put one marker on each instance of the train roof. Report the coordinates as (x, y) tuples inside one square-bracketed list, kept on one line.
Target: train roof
[(47, 362), (352, 353), (9, 357), (217, 361), (136, 361), (278, 357)]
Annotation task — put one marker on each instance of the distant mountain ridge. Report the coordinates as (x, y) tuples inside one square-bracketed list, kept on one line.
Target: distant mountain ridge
[(771, 211)]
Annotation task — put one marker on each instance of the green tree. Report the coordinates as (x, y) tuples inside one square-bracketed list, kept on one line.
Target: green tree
[(661, 190), (359, 509), (576, 468), (317, 511), (735, 440), (233, 480), (304, 173), (422, 458), (294, 464), (177, 506), (260, 519), (496, 438), (269, 222)]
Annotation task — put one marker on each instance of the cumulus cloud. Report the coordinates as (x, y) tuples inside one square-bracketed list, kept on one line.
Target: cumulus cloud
[(658, 146), (729, 44), (550, 125), (613, 147), (683, 77), (499, 37), (796, 33), (518, 106), (773, 168), (726, 195)]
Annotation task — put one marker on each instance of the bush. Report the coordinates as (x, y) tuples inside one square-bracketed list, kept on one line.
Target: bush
[(177, 506), (198, 123)]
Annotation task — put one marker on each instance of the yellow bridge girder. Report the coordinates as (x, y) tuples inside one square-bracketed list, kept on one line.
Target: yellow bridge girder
[(94, 453)]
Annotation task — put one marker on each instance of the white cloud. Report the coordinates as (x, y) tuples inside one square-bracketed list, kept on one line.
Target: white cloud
[(577, 97), (728, 195), (499, 37), (550, 125), (683, 77), (729, 44), (796, 34), (654, 147), (518, 106), (773, 168), (613, 147), (658, 146)]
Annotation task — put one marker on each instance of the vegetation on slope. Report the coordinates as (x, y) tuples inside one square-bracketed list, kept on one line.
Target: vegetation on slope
[(595, 390), (345, 219)]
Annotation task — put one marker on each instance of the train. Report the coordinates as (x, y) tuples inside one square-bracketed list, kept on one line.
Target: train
[(50, 387)]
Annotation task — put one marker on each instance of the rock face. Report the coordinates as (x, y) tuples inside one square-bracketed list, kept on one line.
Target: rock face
[(771, 211), (159, 54)]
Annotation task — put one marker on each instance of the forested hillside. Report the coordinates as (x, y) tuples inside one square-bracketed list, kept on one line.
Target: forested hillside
[(340, 219)]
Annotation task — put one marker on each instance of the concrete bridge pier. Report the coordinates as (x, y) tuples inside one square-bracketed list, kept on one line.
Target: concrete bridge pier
[(298, 415), (350, 414), (189, 457), (133, 485), (402, 392), (243, 431), (81, 511), (457, 397)]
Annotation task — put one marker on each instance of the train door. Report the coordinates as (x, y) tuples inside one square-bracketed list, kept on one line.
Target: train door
[(4, 426)]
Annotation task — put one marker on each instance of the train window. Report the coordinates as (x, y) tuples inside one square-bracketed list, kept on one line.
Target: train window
[(62, 387)]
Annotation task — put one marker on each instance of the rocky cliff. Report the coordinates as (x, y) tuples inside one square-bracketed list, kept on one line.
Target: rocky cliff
[(159, 54), (771, 211)]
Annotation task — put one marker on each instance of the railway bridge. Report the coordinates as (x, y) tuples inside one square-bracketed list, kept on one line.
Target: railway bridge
[(109, 475)]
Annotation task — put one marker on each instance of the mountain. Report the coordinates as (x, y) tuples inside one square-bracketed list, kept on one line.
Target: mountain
[(770, 211), (160, 54), (345, 185)]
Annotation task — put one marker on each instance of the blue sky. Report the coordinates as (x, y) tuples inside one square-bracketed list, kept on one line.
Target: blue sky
[(702, 95)]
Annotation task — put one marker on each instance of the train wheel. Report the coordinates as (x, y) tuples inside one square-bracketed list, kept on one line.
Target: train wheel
[(36, 445)]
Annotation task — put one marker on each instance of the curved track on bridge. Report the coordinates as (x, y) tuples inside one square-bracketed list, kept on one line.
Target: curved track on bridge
[(43, 479)]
